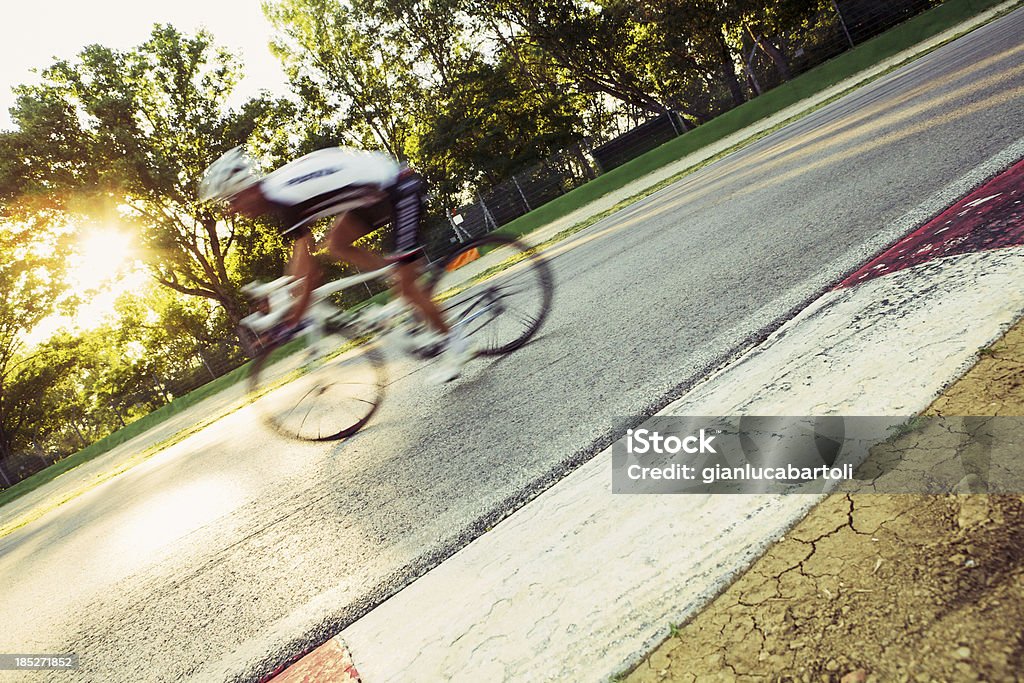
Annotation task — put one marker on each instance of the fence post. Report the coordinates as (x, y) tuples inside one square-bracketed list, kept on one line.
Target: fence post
[(748, 66), (461, 233), (521, 195), (3, 473), (488, 218), (672, 121), (842, 23)]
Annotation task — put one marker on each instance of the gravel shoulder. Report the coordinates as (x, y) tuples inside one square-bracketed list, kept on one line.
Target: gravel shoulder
[(872, 587)]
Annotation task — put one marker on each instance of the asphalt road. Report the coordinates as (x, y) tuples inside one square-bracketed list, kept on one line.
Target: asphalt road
[(235, 544)]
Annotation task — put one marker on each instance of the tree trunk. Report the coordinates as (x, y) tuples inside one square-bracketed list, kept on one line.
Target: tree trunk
[(161, 389), (6, 476), (687, 114), (729, 72), (584, 163), (113, 406), (78, 431), (779, 59)]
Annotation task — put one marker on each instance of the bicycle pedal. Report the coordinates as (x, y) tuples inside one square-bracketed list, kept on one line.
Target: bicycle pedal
[(430, 350)]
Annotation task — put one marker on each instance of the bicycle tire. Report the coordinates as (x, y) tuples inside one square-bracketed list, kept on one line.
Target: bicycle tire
[(319, 396), (502, 297)]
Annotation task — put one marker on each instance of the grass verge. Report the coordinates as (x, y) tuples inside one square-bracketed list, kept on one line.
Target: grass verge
[(808, 84)]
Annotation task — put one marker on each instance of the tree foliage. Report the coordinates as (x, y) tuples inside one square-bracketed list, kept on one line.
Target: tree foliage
[(31, 289), (130, 133), (489, 124), (354, 88)]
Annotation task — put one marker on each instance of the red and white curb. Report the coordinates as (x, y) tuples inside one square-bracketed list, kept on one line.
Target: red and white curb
[(330, 662), (579, 584)]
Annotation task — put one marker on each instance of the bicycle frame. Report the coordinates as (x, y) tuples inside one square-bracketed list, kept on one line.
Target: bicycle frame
[(333, 387), (280, 296)]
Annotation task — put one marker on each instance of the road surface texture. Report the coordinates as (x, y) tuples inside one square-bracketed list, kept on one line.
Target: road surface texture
[(235, 541)]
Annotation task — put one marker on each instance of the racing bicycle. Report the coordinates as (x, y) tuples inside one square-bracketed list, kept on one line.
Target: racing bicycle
[(325, 379)]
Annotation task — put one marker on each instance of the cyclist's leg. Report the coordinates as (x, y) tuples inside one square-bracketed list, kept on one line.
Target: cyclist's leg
[(407, 207), (347, 228), (408, 274), (407, 199), (303, 266)]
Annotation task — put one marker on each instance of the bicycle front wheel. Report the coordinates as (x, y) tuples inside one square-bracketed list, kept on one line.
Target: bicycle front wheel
[(497, 290), (319, 390)]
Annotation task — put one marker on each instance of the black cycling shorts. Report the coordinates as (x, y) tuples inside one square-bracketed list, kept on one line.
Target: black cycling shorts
[(403, 207)]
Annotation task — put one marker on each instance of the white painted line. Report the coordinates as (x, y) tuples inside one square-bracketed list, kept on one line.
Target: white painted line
[(580, 583), (979, 202)]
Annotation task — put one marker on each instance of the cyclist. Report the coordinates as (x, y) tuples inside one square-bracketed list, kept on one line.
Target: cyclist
[(364, 191)]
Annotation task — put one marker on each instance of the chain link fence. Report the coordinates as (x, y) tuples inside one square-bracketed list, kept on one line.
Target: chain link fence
[(640, 140), (861, 20), (503, 203), (766, 62)]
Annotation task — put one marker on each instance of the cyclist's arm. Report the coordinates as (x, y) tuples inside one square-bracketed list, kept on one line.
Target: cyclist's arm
[(303, 266)]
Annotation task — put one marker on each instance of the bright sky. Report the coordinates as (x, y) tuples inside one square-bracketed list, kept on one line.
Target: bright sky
[(34, 32), (104, 264)]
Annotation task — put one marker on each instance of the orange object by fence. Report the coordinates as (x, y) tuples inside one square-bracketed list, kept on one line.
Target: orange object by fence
[(464, 258)]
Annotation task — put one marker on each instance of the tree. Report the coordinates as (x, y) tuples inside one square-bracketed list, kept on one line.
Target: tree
[(59, 378), (767, 23), (431, 37), (489, 124), (130, 133), (411, 77), (354, 87), (589, 42), (30, 289), (164, 341)]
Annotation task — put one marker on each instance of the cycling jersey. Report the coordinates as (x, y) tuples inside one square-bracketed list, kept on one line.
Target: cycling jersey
[(333, 181)]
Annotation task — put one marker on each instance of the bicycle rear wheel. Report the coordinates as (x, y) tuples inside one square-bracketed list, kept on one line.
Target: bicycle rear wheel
[(319, 392), (497, 290)]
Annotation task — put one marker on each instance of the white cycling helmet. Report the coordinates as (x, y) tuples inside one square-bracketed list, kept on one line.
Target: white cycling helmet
[(229, 175)]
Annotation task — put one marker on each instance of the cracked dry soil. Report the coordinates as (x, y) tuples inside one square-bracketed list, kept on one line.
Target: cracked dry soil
[(873, 587)]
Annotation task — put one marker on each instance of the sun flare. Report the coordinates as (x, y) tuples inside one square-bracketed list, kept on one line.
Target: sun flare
[(99, 258), (105, 264)]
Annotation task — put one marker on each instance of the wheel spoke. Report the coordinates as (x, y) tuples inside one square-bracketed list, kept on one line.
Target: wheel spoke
[(515, 300), (298, 432), (528, 318), (332, 398), (362, 400)]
